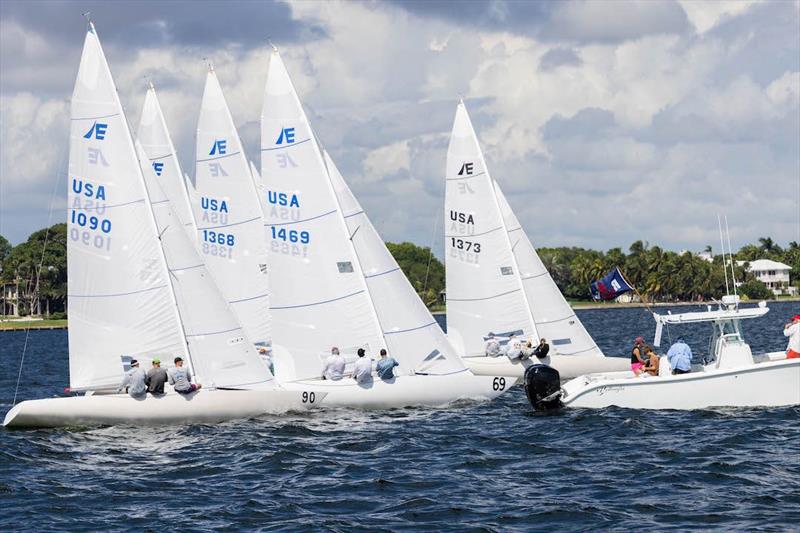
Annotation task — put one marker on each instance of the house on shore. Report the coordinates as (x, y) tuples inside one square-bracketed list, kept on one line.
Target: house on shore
[(773, 274)]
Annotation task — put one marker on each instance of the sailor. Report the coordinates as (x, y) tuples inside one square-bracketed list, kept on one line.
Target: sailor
[(513, 348), (792, 330), (266, 356), (362, 370), (385, 366), (492, 346), (133, 382), (542, 349), (334, 366), (156, 377), (637, 356), (680, 357), (527, 350), (180, 377)]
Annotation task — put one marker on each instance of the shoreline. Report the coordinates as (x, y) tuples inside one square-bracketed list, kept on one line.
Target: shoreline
[(22, 325)]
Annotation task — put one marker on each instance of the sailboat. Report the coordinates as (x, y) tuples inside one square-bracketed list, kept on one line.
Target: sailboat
[(230, 226), (497, 285), (127, 300), (334, 283)]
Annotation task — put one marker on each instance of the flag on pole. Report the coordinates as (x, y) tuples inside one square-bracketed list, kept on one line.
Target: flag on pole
[(610, 286)]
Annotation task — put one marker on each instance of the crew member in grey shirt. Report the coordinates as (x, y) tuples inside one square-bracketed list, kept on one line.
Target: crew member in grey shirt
[(133, 381), (156, 377), (181, 378)]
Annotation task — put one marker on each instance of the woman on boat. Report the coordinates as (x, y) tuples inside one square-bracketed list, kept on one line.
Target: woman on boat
[(652, 361), (637, 363)]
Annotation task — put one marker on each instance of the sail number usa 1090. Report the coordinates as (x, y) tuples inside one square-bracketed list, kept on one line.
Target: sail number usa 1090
[(87, 224)]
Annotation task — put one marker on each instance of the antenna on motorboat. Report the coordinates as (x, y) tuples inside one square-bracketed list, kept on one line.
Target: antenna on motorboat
[(730, 254), (722, 244)]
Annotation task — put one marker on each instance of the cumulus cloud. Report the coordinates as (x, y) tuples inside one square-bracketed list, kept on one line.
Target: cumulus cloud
[(605, 122)]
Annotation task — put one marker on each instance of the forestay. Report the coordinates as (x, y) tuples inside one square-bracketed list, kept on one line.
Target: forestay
[(554, 318), (119, 299), (410, 332), (484, 293), (220, 351), (230, 227), (318, 295)]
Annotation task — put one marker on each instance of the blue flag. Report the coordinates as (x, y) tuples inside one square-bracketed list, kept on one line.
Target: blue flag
[(610, 286)]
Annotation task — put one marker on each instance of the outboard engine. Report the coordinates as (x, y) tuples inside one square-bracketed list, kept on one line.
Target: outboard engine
[(543, 387)]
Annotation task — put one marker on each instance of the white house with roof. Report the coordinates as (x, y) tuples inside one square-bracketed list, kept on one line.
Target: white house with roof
[(773, 274)]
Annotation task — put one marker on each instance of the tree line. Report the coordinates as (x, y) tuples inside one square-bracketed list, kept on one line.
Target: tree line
[(659, 275)]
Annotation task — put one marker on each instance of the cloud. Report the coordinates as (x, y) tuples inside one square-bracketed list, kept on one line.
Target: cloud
[(604, 122)]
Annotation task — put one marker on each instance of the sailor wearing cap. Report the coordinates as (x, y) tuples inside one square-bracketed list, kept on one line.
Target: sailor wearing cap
[(156, 377), (134, 380), (181, 378)]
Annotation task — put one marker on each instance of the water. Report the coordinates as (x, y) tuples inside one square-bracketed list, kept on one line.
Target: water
[(476, 466)]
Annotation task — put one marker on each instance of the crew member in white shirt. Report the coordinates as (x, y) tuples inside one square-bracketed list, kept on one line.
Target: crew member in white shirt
[(792, 330), (334, 366), (362, 370)]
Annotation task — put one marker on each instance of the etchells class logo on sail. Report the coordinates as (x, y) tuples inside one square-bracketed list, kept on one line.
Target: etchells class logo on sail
[(467, 169), (98, 131), (286, 136), (220, 147), (158, 166)]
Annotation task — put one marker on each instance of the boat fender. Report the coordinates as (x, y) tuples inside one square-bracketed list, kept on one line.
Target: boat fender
[(543, 387)]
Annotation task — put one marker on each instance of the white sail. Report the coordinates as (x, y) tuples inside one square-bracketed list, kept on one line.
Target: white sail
[(318, 299), (410, 332), (162, 157), (221, 352), (230, 226), (119, 299), (554, 318), (484, 293)]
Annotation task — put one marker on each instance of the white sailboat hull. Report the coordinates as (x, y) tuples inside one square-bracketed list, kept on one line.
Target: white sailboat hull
[(405, 391), (568, 366), (203, 406), (769, 383)]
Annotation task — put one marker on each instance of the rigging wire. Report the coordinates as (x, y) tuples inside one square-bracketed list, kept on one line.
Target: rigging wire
[(36, 287)]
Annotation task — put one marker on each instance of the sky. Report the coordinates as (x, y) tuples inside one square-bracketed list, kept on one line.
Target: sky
[(605, 122)]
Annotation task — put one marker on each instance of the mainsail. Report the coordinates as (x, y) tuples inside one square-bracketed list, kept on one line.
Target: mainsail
[(230, 226), (484, 293), (318, 299), (221, 352), (119, 297), (496, 282)]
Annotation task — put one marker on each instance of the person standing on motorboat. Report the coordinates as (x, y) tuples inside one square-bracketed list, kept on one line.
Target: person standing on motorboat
[(492, 346), (334, 366), (133, 382), (680, 357), (362, 370), (385, 366), (180, 378), (156, 377), (637, 361), (792, 330)]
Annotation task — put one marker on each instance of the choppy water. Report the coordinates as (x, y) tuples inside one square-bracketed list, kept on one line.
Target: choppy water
[(476, 466)]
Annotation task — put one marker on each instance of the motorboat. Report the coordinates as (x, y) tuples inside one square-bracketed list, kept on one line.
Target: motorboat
[(732, 376)]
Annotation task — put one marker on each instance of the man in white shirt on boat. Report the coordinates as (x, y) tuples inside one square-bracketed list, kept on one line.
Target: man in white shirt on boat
[(362, 370), (680, 357), (334, 366), (180, 378), (792, 330), (134, 381)]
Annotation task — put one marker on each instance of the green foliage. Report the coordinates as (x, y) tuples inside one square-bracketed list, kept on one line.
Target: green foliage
[(755, 290), (5, 249), (421, 267)]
